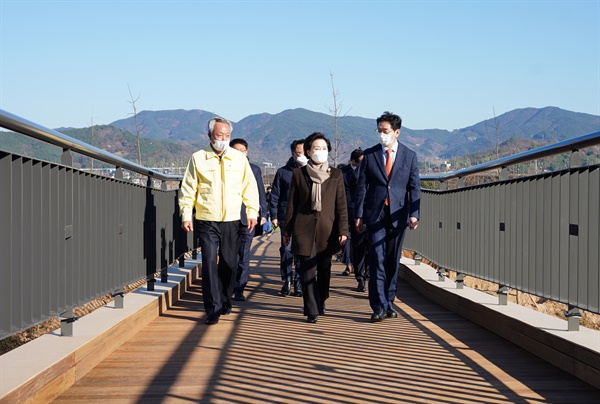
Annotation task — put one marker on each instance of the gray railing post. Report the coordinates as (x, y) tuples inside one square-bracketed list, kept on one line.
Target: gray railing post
[(150, 280), (119, 173), (503, 174), (573, 316), (66, 158), (460, 280), (441, 273), (503, 295), (575, 159), (119, 296), (418, 259), (66, 323)]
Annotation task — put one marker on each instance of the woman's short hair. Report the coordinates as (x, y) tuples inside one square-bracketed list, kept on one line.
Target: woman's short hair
[(315, 136)]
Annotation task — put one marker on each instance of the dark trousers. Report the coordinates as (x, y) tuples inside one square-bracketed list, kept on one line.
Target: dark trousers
[(286, 261), (316, 276), (219, 246), (347, 256), (385, 251), (359, 243), (243, 268)]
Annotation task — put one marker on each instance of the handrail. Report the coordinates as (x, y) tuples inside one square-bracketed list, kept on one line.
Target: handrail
[(31, 129), (573, 144)]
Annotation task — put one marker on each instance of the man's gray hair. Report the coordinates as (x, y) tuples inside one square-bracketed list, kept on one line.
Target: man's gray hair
[(211, 124)]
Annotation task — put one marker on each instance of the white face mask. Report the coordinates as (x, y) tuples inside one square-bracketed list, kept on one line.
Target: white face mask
[(320, 156), (385, 139), (221, 145), (302, 160)]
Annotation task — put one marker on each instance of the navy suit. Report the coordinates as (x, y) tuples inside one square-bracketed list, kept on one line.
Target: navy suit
[(386, 224), (357, 241), (246, 237), (280, 190)]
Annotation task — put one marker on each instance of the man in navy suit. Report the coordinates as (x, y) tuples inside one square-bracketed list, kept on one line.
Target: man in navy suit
[(388, 196), (358, 241), (280, 190), (246, 236)]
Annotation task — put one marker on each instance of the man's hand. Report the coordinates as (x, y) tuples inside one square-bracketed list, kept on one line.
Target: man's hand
[(251, 224), (187, 226), (413, 222), (359, 224), (343, 239), (263, 220), (275, 223)]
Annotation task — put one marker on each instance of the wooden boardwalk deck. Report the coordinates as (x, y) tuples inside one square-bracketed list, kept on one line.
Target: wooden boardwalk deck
[(265, 352)]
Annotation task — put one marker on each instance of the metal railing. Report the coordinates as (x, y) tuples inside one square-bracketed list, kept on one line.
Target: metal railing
[(31, 129), (537, 234), (567, 145), (68, 236)]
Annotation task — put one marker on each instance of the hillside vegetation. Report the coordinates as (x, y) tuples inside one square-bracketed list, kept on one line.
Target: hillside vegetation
[(170, 137)]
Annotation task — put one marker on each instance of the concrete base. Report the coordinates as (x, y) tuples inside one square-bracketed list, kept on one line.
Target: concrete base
[(576, 352), (42, 369)]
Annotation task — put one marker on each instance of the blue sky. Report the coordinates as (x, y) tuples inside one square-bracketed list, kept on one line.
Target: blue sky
[(438, 64)]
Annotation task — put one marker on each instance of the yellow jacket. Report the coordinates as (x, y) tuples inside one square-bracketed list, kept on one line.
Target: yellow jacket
[(217, 186)]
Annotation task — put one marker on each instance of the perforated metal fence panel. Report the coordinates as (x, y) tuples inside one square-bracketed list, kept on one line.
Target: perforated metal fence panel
[(68, 237), (537, 234)]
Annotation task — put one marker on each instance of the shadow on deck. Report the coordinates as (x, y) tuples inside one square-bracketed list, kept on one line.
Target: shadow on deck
[(265, 352)]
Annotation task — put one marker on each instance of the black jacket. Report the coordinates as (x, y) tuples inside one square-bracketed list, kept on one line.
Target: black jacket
[(280, 190)]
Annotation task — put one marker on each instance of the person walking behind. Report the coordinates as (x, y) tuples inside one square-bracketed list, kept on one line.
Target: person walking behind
[(217, 181), (388, 197), (278, 206), (357, 240), (243, 268), (316, 222)]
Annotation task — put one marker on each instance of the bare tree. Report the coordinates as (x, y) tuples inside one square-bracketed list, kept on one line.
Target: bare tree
[(338, 135), (138, 126), (496, 134), (92, 138)]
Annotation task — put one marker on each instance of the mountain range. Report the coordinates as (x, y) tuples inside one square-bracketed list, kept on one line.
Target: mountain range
[(172, 135)]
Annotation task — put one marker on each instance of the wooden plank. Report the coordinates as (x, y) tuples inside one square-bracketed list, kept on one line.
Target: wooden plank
[(266, 352)]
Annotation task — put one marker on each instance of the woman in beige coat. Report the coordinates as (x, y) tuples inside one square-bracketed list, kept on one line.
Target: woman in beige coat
[(316, 222)]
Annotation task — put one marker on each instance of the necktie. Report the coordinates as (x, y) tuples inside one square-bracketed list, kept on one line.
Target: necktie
[(388, 162), (388, 170)]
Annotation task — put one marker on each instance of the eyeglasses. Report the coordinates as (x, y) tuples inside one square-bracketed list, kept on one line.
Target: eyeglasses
[(385, 132)]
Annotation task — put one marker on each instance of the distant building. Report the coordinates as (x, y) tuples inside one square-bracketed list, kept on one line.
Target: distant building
[(268, 168)]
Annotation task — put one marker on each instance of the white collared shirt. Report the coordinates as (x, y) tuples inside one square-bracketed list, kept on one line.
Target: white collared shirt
[(394, 152)]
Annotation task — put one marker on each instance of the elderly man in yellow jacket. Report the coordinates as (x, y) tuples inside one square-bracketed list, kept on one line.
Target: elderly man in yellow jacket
[(217, 181)]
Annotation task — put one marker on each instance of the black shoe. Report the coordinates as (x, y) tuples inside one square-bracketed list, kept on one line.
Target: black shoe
[(285, 289), (239, 297), (377, 317), (391, 313), (212, 319), (311, 319), (297, 292), (346, 271), (226, 310), (361, 287)]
